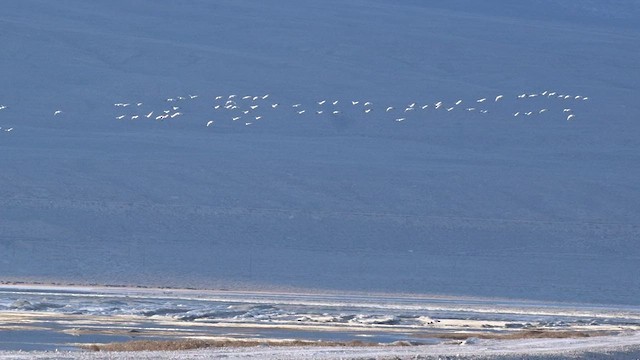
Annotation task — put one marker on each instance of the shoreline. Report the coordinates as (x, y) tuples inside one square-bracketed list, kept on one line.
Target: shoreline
[(103, 317)]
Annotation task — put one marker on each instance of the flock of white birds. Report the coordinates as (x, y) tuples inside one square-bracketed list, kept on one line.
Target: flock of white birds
[(252, 109)]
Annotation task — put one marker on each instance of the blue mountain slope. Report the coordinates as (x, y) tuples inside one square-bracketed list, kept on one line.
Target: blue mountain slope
[(460, 202)]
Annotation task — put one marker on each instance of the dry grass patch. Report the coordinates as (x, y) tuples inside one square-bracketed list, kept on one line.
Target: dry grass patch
[(190, 344), (518, 335)]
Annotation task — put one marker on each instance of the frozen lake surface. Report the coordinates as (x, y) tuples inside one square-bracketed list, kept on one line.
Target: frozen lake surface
[(67, 318)]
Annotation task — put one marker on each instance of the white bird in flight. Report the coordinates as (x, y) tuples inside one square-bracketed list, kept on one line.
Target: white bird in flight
[(209, 123), (389, 108), (57, 112), (499, 97), (571, 116)]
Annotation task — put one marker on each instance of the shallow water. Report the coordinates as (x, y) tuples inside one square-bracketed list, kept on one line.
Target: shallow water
[(48, 340)]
